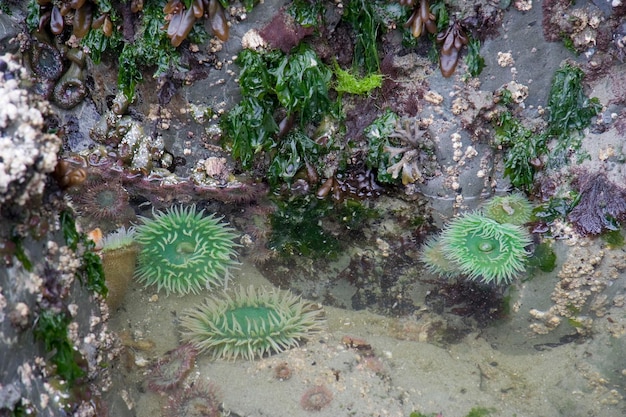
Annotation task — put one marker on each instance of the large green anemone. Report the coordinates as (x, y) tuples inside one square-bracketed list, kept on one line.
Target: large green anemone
[(184, 251), (512, 208), (250, 323), (484, 249)]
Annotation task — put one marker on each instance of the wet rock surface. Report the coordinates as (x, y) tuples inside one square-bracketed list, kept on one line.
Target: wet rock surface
[(164, 148)]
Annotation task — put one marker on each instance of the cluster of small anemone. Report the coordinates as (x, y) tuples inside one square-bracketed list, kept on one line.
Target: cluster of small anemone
[(488, 246)]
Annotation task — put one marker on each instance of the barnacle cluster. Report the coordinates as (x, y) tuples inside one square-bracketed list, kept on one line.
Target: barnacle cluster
[(413, 159), (51, 286), (27, 152), (577, 27)]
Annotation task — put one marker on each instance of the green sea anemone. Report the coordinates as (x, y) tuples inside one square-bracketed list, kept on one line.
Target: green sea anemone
[(251, 323), (183, 251), (433, 257), (484, 249), (119, 239), (513, 208)]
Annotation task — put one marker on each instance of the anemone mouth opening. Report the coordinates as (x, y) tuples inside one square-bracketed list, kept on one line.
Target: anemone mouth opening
[(46, 61), (185, 248), (249, 317), (107, 198), (486, 246), (69, 93), (179, 253)]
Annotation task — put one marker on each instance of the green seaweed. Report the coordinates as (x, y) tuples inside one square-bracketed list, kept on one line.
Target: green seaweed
[(475, 62), (297, 230), (556, 208), (294, 151), (302, 82), (51, 329), (68, 227), (349, 83), (362, 16), (152, 48), (295, 85), (20, 253), (377, 135), (96, 42), (32, 15), (353, 214), (94, 273), (91, 272), (571, 111), (308, 13), (438, 8), (480, 412), (613, 238), (543, 258), (522, 147)]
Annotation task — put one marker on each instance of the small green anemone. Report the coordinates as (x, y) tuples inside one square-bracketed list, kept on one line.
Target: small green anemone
[(184, 251), (433, 257), (484, 249), (118, 239), (512, 208), (251, 323)]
